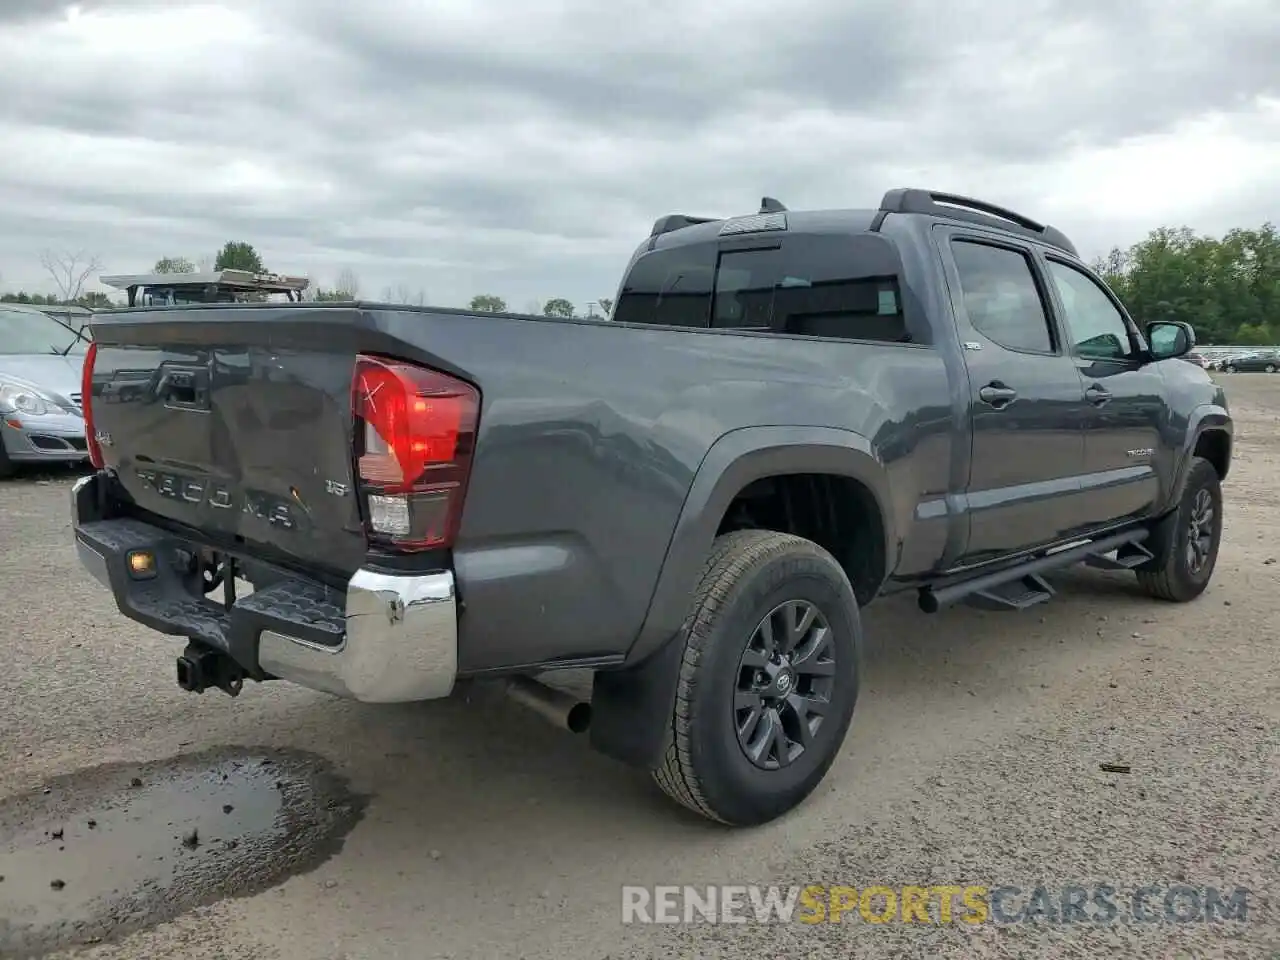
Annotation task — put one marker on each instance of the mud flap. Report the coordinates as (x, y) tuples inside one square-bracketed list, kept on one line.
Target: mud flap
[(631, 708)]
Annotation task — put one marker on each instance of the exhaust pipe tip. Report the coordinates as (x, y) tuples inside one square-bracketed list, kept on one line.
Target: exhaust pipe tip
[(562, 709), (579, 717)]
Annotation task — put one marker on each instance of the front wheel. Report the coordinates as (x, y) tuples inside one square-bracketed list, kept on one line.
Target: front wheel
[(1186, 542), (1270, 368), (768, 681)]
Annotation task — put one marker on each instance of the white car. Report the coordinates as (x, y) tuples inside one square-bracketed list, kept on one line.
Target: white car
[(41, 362)]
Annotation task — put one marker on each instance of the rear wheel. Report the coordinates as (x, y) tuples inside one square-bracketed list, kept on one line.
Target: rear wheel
[(1186, 542), (1270, 368), (768, 681)]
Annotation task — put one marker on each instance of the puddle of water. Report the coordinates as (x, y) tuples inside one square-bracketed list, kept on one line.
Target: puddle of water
[(110, 850)]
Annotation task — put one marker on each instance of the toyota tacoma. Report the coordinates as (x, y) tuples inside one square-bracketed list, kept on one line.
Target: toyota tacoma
[(788, 415)]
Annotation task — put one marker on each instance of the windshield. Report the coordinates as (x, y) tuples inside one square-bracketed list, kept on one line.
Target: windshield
[(26, 333)]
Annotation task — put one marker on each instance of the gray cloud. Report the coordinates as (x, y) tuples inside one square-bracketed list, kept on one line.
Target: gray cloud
[(465, 146)]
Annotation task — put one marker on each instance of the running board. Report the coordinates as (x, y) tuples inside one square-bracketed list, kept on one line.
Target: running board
[(1020, 586), (1013, 595), (1128, 557)]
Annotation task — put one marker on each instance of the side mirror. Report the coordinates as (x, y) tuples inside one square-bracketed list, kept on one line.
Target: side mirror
[(1170, 338)]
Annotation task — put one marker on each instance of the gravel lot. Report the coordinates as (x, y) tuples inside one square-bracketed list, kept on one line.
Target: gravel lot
[(974, 759)]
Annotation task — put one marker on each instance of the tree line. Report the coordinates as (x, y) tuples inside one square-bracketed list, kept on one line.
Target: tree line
[(1227, 287)]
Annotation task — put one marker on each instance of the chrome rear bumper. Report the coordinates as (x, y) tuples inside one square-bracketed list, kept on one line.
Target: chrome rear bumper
[(389, 638), (401, 642)]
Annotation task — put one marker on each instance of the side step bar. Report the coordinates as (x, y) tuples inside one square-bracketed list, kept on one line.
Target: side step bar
[(1019, 586)]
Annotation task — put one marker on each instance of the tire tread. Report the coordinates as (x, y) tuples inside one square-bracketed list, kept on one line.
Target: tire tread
[(1162, 583), (731, 555)]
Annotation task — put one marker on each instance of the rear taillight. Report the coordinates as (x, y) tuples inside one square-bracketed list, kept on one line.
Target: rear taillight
[(415, 432), (86, 406)]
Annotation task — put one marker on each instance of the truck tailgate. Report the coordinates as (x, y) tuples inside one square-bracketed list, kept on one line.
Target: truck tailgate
[(236, 422)]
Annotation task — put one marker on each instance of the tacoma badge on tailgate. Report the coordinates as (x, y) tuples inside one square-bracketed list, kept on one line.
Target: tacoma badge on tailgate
[(256, 503)]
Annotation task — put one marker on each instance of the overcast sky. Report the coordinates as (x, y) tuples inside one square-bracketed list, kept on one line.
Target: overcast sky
[(524, 147)]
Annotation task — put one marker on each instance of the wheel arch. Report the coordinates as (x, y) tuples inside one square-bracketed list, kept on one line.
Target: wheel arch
[(1209, 435), (632, 706), (737, 460)]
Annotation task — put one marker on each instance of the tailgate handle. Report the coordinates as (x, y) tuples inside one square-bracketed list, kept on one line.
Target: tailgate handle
[(185, 387)]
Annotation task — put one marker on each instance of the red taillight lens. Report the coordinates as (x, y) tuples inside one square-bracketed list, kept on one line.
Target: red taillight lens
[(86, 406), (414, 435)]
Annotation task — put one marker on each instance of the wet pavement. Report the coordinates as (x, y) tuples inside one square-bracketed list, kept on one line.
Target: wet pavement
[(106, 851)]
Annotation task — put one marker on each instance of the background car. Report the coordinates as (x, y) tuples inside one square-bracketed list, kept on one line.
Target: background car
[(41, 361), (1268, 361)]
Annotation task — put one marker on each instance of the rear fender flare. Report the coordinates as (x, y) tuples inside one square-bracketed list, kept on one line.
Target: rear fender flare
[(632, 706), (734, 461)]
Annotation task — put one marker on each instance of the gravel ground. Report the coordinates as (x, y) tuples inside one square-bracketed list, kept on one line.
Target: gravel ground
[(973, 759)]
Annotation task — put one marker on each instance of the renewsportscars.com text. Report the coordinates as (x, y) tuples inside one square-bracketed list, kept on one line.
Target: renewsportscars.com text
[(1097, 903)]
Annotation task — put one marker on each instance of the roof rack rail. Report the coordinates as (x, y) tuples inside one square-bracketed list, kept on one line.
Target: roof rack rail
[(676, 221), (956, 207)]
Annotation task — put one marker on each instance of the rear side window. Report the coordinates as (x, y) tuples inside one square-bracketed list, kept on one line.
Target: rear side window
[(837, 286), (1001, 296), (671, 287), (842, 287)]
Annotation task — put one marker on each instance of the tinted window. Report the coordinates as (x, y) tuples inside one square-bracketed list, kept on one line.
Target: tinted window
[(1098, 329), (1001, 296), (843, 287), (671, 287), (827, 285)]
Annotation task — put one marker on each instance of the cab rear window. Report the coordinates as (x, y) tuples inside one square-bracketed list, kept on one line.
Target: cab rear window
[(837, 286)]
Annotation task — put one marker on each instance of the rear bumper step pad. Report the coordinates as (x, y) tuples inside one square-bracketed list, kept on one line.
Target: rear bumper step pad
[(386, 638)]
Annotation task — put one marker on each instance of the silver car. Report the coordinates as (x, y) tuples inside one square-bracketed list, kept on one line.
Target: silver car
[(41, 361)]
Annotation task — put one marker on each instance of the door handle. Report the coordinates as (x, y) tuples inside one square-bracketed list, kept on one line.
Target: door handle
[(997, 394), (1097, 395)]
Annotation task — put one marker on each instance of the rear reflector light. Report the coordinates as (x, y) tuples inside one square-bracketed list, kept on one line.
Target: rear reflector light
[(86, 406), (414, 437)]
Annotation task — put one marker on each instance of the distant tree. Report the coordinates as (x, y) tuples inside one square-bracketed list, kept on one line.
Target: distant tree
[(238, 255), (606, 304), (1255, 335), (35, 299), (69, 272), (348, 284), (401, 293), (322, 295), (557, 307), (174, 265), (95, 299), (488, 303)]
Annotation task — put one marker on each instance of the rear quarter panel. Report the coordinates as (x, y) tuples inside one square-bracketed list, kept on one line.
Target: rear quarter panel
[(590, 437)]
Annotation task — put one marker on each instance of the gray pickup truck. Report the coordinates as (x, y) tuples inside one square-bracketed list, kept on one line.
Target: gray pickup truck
[(788, 415)]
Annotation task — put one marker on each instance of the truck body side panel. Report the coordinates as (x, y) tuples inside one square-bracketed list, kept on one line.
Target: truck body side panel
[(590, 436)]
